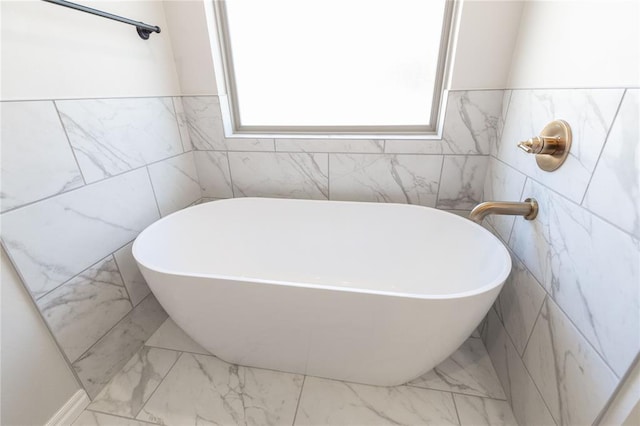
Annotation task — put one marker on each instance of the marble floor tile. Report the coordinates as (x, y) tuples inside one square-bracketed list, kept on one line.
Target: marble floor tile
[(475, 411), (170, 336), (206, 390), (133, 385), (468, 371), (331, 402), (91, 418)]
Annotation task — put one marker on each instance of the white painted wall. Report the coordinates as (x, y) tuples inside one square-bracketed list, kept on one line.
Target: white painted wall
[(35, 379), (577, 44), (192, 51), (52, 52), (487, 33)]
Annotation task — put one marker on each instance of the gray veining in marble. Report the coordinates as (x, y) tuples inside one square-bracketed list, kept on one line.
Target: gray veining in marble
[(112, 136), (330, 145), (474, 411), (214, 174), (410, 179), (106, 358), (573, 379), (462, 181), (294, 175), (203, 389), (133, 280), (589, 113), (53, 240), (207, 131), (37, 160), (330, 402), (83, 309), (467, 371), (527, 404), (130, 389), (520, 301), (614, 191), (470, 126), (170, 336), (175, 183), (503, 183), (590, 268), (183, 125)]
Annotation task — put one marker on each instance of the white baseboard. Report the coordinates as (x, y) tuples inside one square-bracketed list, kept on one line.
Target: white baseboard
[(70, 411)]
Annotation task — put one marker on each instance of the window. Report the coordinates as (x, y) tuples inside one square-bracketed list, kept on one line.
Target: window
[(334, 66)]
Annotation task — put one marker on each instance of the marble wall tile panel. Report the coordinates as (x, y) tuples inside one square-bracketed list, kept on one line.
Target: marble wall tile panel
[(474, 411), (112, 136), (519, 302), (133, 280), (105, 359), (207, 131), (588, 112), (571, 376), (294, 175), (467, 371), (83, 309), (183, 125), (175, 183), (462, 181), (470, 126), (590, 268), (130, 389), (411, 179), (203, 388), (330, 145), (614, 191), (37, 161), (503, 183), (506, 100), (528, 406), (170, 336), (53, 240), (214, 174), (330, 402)]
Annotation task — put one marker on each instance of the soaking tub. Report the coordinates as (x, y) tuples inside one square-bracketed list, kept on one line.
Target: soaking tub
[(363, 292)]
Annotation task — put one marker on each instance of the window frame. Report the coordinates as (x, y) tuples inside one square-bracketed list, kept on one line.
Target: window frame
[(227, 93)]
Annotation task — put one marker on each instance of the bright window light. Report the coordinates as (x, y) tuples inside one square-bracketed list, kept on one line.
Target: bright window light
[(330, 63)]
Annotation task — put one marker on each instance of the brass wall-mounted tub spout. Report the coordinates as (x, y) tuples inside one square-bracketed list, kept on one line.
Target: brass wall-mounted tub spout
[(528, 208)]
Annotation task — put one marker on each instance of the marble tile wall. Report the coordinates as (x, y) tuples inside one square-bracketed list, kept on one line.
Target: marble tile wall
[(80, 180), (447, 173), (566, 327)]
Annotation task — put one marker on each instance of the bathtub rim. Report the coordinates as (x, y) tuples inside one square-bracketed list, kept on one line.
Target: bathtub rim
[(502, 276)]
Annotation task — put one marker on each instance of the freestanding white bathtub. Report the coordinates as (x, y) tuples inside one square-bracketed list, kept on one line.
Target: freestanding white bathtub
[(363, 292)]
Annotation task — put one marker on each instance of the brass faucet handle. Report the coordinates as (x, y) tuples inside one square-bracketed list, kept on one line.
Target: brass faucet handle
[(526, 146)]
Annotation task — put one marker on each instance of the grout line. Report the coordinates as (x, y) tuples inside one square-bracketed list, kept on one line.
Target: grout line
[(73, 152), (440, 181), (460, 393), (304, 379), (93, 410), (329, 176), (175, 115), (155, 197), (91, 183), (604, 144), (455, 407), (233, 188), (159, 384), (535, 323), (124, 284), (513, 223)]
